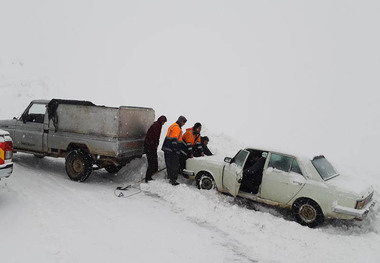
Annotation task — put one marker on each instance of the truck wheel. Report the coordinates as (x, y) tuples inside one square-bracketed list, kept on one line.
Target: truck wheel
[(307, 212), (112, 169), (78, 165)]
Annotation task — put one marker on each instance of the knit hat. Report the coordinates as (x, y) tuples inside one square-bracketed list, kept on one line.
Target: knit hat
[(182, 119), (205, 138), (196, 125), (162, 118)]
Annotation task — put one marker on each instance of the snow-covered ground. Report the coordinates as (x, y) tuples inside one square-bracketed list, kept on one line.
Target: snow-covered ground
[(296, 75), (45, 217)]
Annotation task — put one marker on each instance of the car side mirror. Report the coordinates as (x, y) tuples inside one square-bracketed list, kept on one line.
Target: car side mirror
[(228, 159)]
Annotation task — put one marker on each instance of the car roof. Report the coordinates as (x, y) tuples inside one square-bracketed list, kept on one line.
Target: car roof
[(41, 101), (298, 155)]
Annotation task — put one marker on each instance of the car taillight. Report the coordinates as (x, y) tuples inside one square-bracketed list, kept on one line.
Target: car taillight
[(8, 150), (362, 203), (2, 152)]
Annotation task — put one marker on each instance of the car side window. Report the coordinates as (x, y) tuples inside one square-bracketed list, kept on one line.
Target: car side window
[(240, 157), (280, 162), (295, 167)]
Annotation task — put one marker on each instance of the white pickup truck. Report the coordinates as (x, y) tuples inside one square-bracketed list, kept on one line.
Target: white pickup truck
[(88, 136), (6, 153)]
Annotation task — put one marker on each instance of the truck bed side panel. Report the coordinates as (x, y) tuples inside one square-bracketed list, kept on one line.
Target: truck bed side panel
[(92, 120)]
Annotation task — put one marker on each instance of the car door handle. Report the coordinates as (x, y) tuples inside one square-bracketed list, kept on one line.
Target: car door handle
[(299, 183)]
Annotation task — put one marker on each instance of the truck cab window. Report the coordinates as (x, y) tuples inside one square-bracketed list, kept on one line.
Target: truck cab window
[(36, 113)]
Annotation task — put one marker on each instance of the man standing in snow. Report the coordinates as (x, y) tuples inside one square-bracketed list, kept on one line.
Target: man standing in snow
[(151, 142), (172, 148)]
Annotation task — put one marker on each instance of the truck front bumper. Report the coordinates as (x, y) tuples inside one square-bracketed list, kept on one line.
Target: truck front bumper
[(6, 170), (357, 213)]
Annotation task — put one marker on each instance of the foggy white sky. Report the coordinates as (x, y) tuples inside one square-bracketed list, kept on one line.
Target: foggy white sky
[(294, 74)]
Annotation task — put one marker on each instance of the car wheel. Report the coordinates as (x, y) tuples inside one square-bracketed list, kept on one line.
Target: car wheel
[(206, 182), (308, 212), (112, 169), (78, 165), (39, 156)]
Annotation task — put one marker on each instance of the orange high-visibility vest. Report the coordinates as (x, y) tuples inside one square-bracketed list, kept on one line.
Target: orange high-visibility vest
[(174, 131), (173, 140), (189, 137)]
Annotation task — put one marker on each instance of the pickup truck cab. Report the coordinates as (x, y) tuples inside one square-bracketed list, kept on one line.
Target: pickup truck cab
[(6, 154), (86, 135)]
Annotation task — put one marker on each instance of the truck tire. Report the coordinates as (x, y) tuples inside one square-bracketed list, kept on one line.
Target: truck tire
[(78, 165), (112, 169)]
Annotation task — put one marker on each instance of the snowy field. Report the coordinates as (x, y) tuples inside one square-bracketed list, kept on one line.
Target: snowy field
[(48, 218), (296, 75)]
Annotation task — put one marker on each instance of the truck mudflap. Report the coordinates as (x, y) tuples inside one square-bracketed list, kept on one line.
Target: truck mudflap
[(359, 214)]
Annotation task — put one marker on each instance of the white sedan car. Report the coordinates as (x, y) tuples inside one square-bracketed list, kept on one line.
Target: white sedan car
[(311, 188)]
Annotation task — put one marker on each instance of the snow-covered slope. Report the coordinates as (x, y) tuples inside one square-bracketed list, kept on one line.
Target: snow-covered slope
[(52, 219)]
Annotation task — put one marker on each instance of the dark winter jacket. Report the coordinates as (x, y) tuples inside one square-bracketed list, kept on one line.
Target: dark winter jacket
[(205, 149), (256, 170), (152, 138)]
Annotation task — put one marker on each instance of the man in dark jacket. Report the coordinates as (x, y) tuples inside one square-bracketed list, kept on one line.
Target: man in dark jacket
[(252, 176), (204, 142), (151, 142)]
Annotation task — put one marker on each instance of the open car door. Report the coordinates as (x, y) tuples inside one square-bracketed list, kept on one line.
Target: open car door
[(233, 172)]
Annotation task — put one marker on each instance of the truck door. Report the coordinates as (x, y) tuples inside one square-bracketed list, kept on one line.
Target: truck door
[(282, 179), (233, 172), (29, 131)]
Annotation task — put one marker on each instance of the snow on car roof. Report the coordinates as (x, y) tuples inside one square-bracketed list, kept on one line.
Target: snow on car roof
[(299, 155)]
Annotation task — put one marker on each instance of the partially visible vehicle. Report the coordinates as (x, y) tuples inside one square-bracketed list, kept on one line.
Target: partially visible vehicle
[(311, 188), (6, 154), (82, 132)]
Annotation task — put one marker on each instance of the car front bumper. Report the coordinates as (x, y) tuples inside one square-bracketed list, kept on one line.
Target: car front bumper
[(6, 170), (356, 213)]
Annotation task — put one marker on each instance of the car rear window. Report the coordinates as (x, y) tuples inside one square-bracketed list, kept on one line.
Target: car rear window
[(324, 168)]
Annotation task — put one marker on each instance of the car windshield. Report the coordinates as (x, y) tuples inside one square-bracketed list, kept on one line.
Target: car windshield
[(324, 168)]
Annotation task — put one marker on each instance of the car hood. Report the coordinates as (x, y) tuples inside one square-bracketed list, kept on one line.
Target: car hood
[(3, 133), (350, 184), (217, 160)]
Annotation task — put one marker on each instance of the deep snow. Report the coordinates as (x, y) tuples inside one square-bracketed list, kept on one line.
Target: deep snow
[(296, 75), (52, 219)]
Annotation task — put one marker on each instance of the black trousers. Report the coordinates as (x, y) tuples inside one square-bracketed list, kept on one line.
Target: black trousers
[(152, 164), (172, 165)]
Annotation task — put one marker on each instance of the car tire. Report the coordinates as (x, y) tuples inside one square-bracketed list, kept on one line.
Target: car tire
[(112, 169), (39, 156), (78, 165), (205, 182), (307, 212)]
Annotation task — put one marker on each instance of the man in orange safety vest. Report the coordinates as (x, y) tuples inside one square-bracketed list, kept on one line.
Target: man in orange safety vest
[(172, 148)]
